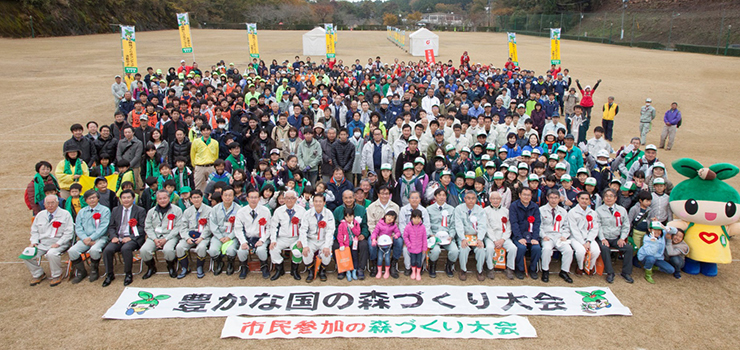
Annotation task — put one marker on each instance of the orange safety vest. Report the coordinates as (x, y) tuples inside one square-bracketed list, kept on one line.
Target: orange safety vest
[(135, 122)]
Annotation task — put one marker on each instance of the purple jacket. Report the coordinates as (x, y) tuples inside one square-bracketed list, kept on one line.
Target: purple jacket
[(415, 238), (672, 117)]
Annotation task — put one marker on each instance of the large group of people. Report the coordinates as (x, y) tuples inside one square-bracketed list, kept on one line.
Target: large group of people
[(391, 161)]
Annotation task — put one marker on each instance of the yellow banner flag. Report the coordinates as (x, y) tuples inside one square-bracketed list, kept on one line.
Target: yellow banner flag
[(88, 182), (128, 46), (330, 48), (554, 45), (254, 49), (183, 22), (513, 54)]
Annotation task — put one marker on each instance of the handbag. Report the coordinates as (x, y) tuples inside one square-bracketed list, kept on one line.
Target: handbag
[(344, 260), (499, 258)]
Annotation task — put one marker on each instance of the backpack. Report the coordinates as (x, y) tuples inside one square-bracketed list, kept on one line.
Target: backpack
[(26, 194)]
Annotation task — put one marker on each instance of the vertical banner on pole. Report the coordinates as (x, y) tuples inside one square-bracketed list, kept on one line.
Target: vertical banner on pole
[(330, 48), (183, 22), (254, 49), (128, 46), (554, 45), (512, 48), (403, 38)]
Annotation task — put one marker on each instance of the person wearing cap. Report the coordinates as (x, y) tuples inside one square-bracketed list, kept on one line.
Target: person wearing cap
[(471, 225), (658, 171), (652, 252), (647, 115), (441, 218), (672, 120), (317, 240), (498, 235), (573, 155), (626, 156), (555, 235), (614, 228), (70, 169), (583, 233), (163, 226), (284, 235), (51, 236), (602, 172), (645, 163), (659, 206), (194, 234), (118, 89), (92, 236)]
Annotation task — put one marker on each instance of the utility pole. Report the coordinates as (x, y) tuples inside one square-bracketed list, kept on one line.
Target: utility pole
[(670, 32), (624, 6), (727, 45), (33, 35)]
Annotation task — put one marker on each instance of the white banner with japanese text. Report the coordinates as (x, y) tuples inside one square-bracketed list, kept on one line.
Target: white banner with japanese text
[(136, 303), (289, 327)]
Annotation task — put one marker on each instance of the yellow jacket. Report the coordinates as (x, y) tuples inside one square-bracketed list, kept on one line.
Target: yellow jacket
[(66, 180), (610, 112), (202, 153)]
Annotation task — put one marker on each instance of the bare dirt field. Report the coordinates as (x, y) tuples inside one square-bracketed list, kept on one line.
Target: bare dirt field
[(54, 82)]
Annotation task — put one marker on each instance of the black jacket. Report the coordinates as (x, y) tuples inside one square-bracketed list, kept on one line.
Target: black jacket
[(109, 147), (116, 218), (343, 155), (169, 130), (88, 153), (180, 150)]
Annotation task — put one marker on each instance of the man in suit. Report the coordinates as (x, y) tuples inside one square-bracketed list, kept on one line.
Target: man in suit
[(124, 237)]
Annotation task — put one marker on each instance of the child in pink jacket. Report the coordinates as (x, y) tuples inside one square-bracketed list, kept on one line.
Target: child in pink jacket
[(415, 238), (385, 227), (347, 237)]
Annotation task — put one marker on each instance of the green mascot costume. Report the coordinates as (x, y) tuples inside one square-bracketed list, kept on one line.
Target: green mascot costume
[(707, 211)]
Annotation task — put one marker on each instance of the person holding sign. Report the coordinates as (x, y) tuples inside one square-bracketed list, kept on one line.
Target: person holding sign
[(223, 242), (195, 233), (126, 233), (471, 227), (163, 226), (51, 234), (316, 236), (283, 228), (498, 236), (251, 227), (525, 231), (555, 235)]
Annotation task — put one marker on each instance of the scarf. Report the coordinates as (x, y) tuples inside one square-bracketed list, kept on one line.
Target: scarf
[(152, 170), (237, 164), (68, 168), (406, 191), (121, 176), (106, 170), (185, 174), (38, 187)]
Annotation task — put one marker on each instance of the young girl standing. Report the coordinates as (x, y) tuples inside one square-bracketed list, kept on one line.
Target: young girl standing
[(414, 235), (347, 236), (386, 227)]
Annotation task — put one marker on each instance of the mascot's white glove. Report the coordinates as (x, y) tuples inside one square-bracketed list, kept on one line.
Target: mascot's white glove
[(583, 147), (629, 148)]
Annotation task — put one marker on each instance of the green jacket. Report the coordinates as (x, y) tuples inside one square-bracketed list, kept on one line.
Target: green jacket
[(309, 155), (360, 212)]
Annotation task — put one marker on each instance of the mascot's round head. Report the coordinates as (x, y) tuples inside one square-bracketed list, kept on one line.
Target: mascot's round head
[(704, 198)]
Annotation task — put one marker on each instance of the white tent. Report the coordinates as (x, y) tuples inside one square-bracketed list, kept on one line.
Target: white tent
[(314, 42), (421, 40)]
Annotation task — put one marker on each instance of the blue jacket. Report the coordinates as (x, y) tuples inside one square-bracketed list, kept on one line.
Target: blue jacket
[(518, 217), (551, 107), (352, 125), (654, 247), (337, 190), (394, 111)]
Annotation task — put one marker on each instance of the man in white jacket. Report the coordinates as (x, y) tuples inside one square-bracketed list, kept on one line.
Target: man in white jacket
[(372, 151), (316, 237), (555, 235), (584, 232), (499, 235), (51, 234)]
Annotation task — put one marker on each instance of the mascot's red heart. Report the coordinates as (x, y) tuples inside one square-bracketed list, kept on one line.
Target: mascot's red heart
[(708, 237)]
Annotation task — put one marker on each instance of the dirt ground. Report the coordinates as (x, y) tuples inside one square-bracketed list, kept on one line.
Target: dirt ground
[(60, 81)]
